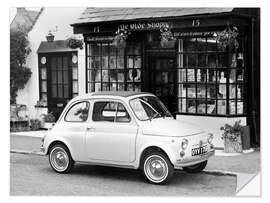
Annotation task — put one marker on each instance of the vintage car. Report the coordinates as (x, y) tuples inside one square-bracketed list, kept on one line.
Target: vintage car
[(129, 130)]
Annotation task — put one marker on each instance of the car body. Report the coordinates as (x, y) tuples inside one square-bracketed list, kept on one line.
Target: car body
[(126, 129)]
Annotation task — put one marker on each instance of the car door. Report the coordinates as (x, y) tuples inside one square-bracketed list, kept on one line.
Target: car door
[(73, 126), (111, 134)]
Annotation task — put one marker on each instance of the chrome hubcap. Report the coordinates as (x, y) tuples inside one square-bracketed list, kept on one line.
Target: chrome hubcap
[(156, 168), (59, 159)]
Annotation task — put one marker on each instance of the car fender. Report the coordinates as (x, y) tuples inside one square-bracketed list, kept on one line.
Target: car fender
[(167, 149), (58, 139)]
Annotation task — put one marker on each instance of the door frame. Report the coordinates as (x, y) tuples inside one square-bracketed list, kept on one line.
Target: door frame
[(151, 58), (49, 57)]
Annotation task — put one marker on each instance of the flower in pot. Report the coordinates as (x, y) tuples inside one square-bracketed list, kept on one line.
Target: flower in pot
[(49, 120), (120, 38), (74, 43), (232, 136), (35, 124), (167, 38), (227, 38)]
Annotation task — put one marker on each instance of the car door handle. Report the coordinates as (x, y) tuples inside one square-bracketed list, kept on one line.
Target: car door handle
[(90, 129)]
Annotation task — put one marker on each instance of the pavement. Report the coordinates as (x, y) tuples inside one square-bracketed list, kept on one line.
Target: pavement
[(32, 175), (239, 168)]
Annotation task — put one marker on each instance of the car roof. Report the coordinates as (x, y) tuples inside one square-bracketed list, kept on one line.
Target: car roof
[(111, 94), (118, 93)]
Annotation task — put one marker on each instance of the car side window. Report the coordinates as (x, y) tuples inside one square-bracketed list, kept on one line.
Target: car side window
[(78, 112), (110, 111)]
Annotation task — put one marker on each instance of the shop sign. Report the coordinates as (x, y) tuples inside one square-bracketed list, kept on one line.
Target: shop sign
[(99, 38), (143, 26), (193, 34)]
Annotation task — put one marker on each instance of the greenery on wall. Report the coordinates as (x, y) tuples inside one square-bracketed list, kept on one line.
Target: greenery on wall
[(19, 73)]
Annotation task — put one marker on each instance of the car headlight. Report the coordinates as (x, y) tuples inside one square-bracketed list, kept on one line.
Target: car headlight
[(210, 138), (184, 144)]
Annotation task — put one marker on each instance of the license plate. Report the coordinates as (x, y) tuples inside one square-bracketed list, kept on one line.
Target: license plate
[(199, 150)]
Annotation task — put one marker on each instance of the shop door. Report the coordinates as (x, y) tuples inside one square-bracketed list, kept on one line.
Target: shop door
[(59, 83), (163, 80)]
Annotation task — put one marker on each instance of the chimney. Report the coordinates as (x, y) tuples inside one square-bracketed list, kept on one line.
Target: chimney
[(21, 10), (50, 37)]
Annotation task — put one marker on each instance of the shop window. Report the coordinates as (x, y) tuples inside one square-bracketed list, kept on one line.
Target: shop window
[(210, 79), (114, 69)]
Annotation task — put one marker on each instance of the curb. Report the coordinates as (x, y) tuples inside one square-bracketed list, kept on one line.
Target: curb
[(216, 172), (219, 152), (26, 152), (34, 134), (220, 173)]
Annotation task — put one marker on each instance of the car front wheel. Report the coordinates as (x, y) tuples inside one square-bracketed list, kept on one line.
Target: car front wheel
[(197, 168), (157, 169), (60, 159)]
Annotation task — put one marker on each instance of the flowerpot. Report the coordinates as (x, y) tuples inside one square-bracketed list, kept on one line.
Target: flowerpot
[(233, 146)]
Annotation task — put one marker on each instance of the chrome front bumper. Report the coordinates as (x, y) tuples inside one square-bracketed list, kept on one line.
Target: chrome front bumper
[(189, 161)]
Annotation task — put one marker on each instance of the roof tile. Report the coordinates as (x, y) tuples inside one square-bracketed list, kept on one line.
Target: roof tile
[(93, 15)]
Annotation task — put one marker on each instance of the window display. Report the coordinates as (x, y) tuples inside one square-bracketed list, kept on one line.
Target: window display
[(210, 79), (110, 68)]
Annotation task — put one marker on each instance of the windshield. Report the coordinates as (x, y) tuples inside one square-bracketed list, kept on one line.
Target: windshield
[(148, 108)]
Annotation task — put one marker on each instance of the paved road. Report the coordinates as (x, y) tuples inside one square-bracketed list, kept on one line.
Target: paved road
[(24, 143), (32, 175)]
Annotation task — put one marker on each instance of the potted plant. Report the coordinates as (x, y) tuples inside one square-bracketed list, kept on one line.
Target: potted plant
[(74, 43), (232, 136), (120, 38), (228, 38), (35, 124), (49, 120), (41, 103), (167, 38)]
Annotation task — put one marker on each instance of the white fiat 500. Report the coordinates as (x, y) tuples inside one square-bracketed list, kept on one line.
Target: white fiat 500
[(129, 130)]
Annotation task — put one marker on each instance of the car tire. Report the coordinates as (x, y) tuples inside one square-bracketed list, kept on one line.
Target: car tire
[(60, 159), (197, 168), (163, 171)]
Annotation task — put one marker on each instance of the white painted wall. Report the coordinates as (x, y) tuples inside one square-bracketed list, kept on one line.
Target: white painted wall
[(212, 124), (57, 19)]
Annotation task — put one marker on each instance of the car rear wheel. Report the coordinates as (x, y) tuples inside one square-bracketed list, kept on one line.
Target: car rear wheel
[(197, 168), (157, 169), (60, 159)]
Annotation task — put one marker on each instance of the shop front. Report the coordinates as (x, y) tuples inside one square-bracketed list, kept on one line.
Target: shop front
[(202, 66)]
